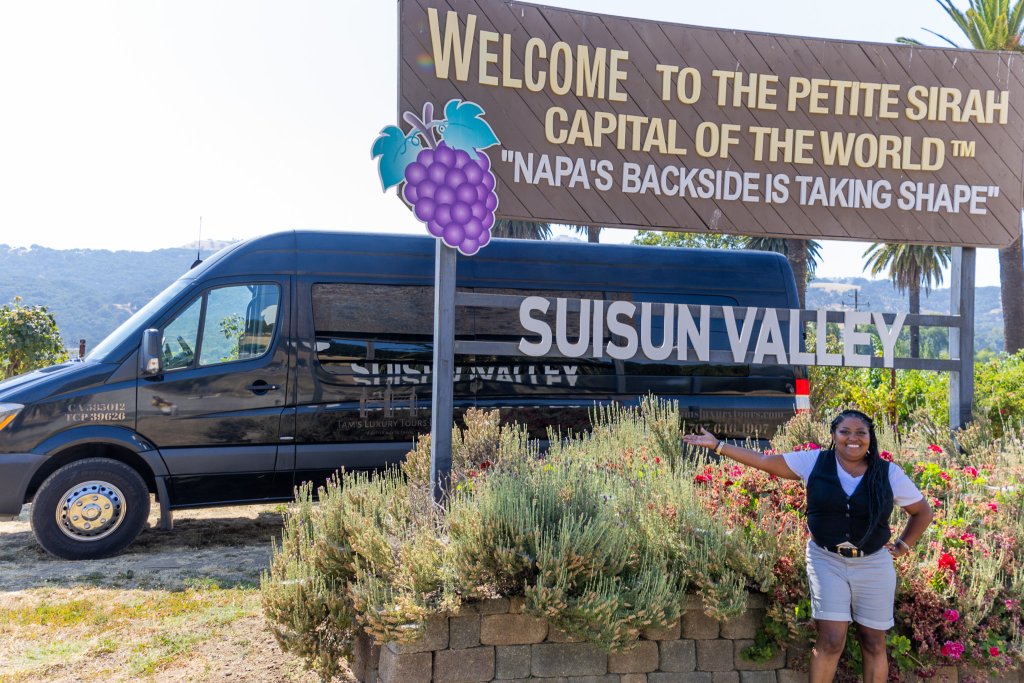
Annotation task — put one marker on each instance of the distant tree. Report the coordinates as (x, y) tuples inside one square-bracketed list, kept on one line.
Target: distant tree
[(29, 339), (593, 233), (693, 240), (521, 230), (996, 25), (911, 267), (803, 257)]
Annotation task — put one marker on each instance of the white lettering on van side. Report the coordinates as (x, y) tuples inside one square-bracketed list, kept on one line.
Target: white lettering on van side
[(579, 331)]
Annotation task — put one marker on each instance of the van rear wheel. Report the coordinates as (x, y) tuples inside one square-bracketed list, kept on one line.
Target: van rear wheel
[(89, 509)]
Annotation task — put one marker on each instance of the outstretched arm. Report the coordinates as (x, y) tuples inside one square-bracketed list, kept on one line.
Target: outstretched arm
[(772, 464)]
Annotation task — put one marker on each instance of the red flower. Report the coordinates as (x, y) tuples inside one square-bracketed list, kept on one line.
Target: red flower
[(967, 538), (993, 507), (485, 464), (934, 449), (971, 472), (994, 651), (947, 561), (885, 455), (951, 615), (736, 471), (936, 503), (657, 460), (952, 649), (728, 482), (703, 479), (945, 476)]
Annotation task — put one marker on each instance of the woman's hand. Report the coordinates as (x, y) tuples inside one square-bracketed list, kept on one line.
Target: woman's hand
[(705, 439), (897, 549)]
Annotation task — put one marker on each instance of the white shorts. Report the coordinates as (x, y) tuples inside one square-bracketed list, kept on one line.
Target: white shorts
[(860, 589)]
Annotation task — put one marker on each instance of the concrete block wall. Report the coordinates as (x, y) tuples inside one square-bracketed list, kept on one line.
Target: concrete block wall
[(495, 641)]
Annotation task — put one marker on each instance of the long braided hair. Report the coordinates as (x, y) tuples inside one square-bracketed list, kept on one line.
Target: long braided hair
[(877, 475)]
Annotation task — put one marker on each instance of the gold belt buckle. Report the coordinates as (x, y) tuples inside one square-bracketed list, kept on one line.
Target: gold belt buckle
[(848, 549)]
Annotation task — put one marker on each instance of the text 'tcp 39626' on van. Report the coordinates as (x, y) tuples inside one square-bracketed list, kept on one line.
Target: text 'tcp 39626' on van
[(286, 357)]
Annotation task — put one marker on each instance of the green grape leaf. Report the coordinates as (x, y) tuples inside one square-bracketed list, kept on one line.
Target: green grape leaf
[(396, 151), (464, 128)]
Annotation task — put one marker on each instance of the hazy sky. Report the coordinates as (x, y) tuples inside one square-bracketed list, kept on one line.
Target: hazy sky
[(124, 122)]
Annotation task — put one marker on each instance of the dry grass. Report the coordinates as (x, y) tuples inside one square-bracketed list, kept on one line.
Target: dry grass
[(178, 606)]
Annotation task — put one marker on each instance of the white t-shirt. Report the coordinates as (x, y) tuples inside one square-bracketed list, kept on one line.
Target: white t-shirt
[(904, 492)]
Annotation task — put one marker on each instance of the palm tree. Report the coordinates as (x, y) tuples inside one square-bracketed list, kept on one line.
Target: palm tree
[(593, 233), (995, 25), (910, 267), (521, 230), (803, 256)]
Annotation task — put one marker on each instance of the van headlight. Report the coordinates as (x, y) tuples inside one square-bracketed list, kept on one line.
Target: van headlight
[(8, 411)]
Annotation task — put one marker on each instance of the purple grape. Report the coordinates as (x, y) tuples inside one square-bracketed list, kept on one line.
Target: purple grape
[(454, 234), (444, 155), (461, 158), (488, 221), (444, 195), (461, 212), (483, 161), (426, 158), (424, 209), (484, 238), (466, 193), (454, 178), (436, 173), (426, 189), (435, 228), (473, 228), (473, 174), (479, 211), (443, 214), (411, 193), (415, 173), (488, 181), (491, 202), (469, 247)]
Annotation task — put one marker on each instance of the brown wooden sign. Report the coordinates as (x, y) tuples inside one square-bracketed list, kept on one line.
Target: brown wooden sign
[(609, 121)]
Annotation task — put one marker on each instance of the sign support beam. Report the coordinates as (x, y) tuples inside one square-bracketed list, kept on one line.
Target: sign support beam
[(441, 415), (961, 339)]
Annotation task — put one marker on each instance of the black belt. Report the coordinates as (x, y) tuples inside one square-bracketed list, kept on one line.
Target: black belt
[(843, 550)]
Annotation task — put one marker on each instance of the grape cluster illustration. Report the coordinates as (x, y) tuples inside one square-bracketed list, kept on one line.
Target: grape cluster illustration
[(448, 182), (453, 193)]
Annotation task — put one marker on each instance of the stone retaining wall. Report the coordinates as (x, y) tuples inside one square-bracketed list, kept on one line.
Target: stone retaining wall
[(495, 641)]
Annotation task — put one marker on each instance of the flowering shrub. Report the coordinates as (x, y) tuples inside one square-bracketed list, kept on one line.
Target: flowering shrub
[(606, 533)]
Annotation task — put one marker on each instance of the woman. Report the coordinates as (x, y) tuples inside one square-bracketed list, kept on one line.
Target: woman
[(850, 495)]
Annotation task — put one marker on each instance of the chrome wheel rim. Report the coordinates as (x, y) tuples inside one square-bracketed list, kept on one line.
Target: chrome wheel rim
[(91, 510)]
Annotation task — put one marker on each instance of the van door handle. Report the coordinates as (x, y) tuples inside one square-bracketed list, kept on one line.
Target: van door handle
[(259, 387)]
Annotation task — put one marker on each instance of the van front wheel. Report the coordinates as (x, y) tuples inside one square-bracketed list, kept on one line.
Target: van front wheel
[(89, 509)]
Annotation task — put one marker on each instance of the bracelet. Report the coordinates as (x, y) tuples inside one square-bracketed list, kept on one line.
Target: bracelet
[(719, 447), (900, 541)]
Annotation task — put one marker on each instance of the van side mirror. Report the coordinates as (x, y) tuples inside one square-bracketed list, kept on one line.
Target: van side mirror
[(151, 357)]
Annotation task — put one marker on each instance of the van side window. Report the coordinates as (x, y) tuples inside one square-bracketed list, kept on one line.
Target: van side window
[(355, 323), (237, 323), (181, 337)]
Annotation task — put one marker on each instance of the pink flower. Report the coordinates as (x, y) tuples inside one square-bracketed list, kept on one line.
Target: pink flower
[(936, 503), (736, 471), (971, 472), (945, 476), (885, 455), (934, 449), (993, 507), (810, 445), (951, 615), (1011, 604), (947, 562), (994, 651), (952, 649), (968, 539), (703, 479)]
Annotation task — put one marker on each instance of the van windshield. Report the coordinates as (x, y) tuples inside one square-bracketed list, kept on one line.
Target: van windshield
[(133, 325)]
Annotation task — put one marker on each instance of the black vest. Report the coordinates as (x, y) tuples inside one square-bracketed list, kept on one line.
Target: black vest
[(834, 518)]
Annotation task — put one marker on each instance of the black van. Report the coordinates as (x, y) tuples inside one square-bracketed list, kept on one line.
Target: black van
[(285, 357)]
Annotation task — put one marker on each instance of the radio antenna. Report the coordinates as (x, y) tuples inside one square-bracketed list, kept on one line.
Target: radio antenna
[(199, 244)]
